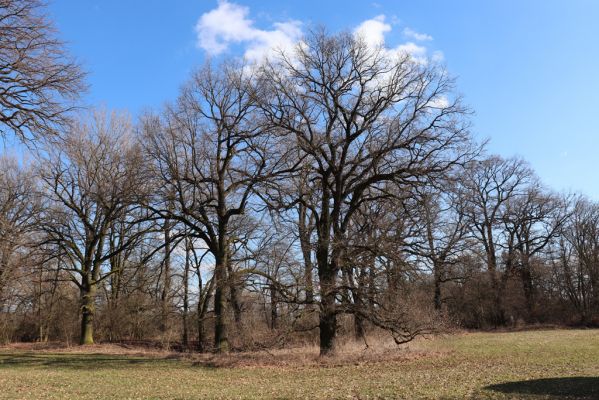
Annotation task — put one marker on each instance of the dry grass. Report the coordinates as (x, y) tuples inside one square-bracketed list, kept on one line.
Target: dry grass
[(350, 353), (375, 350)]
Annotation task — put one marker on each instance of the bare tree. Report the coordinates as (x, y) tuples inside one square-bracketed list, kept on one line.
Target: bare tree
[(132, 273), (337, 182), (440, 213), (576, 260), (491, 184), (212, 153), (39, 82), (362, 120), (93, 180), (19, 210), (531, 222)]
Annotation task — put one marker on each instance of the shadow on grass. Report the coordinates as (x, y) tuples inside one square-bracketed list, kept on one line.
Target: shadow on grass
[(90, 361), (574, 387), (79, 361)]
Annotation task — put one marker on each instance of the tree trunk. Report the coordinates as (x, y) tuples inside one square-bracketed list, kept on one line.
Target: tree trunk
[(273, 308), (221, 341), (359, 330), (308, 283), (201, 311), (498, 314), (234, 295), (359, 303), (186, 292), (304, 238), (200, 347), (88, 294), (328, 312), (328, 324), (437, 295), (40, 314), (372, 289), (528, 288), (166, 288)]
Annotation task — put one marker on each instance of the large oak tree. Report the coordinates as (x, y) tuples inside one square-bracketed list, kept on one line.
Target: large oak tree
[(362, 118)]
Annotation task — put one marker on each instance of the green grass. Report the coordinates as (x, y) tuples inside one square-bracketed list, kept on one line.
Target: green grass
[(561, 364)]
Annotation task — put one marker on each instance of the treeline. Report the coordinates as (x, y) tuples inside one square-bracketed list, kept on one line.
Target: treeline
[(329, 192)]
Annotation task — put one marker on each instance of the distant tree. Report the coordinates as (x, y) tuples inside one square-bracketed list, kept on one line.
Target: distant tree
[(440, 214), (531, 222), (38, 80), (575, 260), (491, 184)]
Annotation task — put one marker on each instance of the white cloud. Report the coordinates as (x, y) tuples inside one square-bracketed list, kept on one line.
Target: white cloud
[(438, 56), (225, 24), (372, 31), (412, 34), (283, 38), (417, 52), (229, 24)]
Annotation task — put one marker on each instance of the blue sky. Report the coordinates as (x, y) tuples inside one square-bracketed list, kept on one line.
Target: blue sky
[(527, 68)]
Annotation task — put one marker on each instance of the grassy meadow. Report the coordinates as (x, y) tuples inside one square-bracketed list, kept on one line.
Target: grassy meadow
[(551, 364)]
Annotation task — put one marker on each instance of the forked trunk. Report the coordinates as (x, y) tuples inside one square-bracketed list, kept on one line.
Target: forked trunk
[(234, 294)]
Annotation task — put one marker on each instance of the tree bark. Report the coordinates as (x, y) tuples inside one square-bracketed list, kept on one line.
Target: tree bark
[(327, 323), (437, 295), (273, 308), (528, 289), (88, 294), (328, 312), (234, 294), (201, 312), (359, 293), (186, 292), (359, 330), (304, 238), (164, 297), (221, 341)]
